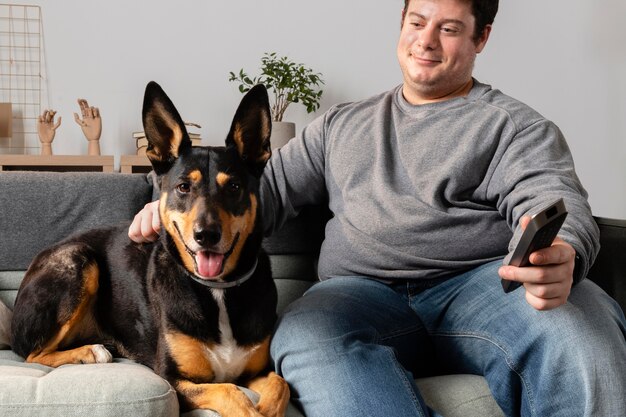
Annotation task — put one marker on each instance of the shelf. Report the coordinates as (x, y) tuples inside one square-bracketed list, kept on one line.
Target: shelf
[(135, 164), (57, 163)]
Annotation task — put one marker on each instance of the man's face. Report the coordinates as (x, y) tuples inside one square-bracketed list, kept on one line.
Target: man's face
[(437, 49)]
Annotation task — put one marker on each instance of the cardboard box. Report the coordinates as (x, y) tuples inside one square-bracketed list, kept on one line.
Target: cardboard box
[(6, 120)]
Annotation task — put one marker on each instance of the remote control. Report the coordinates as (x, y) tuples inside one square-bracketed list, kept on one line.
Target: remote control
[(539, 233)]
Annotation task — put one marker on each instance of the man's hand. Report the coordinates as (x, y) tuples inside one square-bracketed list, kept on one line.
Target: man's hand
[(91, 123), (146, 224), (548, 280)]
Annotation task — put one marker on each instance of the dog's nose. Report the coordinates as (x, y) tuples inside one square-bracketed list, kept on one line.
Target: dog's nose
[(209, 235)]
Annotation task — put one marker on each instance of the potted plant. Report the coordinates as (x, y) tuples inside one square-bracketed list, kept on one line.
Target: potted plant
[(288, 82)]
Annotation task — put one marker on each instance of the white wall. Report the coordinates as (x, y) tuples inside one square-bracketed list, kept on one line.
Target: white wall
[(566, 58)]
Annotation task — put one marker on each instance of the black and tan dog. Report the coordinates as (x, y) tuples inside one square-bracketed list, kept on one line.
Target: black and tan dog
[(199, 305)]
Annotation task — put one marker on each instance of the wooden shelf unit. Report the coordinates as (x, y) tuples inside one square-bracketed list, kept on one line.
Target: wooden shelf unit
[(57, 163), (134, 164)]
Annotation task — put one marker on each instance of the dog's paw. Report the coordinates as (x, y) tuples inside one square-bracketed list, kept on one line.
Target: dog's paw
[(101, 354)]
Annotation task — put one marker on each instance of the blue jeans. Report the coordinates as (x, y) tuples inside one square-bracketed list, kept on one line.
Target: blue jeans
[(351, 346)]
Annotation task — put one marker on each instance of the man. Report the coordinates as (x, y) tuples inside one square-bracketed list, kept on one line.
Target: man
[(426, 184)]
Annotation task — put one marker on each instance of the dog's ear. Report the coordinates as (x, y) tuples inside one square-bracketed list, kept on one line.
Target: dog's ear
[(164, 128), (251, 129)]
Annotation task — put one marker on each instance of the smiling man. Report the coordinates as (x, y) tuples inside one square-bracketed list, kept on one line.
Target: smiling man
[(437, 49), (430, 185)]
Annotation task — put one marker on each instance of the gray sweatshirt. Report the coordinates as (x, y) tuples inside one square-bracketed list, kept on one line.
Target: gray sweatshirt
[(427, 191)]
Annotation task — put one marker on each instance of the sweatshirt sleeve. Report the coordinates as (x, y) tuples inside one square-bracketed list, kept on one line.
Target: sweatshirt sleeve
[(535, 169), (294, 176)]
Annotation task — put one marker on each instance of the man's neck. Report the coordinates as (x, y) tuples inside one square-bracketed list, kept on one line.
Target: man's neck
[(415, 98)]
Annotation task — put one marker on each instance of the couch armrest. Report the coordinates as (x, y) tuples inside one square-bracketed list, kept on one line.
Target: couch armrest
[(609, 268)]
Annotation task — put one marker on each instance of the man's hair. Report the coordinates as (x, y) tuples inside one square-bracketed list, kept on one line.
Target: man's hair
[(484, 12)]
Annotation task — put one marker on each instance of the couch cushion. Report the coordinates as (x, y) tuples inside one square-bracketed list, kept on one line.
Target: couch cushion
[(293, 274), (5, 326), (302, 234), (122, 388), (9, 284), (40, 208), (459, 396)]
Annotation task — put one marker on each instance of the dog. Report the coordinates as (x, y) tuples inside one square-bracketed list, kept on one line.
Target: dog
[(199, 305)]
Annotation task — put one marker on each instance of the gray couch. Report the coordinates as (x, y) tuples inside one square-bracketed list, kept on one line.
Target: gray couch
[(37, 209)]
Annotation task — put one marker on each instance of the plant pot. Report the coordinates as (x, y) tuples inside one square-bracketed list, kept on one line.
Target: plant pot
[(281, 133)]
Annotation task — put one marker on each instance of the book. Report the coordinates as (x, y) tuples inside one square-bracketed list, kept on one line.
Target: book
[(142, 142)]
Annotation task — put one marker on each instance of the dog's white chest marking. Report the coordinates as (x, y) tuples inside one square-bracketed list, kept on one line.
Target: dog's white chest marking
[(228, 360)]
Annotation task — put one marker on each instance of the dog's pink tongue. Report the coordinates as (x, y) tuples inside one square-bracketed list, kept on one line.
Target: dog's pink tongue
[(209, 264)]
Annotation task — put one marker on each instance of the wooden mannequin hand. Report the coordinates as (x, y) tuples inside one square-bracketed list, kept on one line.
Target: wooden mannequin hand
[(46, 128), (91, 123)]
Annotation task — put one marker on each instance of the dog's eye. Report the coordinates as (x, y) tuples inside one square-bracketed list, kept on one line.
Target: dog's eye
[(233, 187), (183, 188)]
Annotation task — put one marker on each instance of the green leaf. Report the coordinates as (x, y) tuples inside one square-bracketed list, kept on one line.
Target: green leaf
[(290, 82)]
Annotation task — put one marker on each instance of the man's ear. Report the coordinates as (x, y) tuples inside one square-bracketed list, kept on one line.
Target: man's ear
[(164, 128), (251, 129), (481, 42)]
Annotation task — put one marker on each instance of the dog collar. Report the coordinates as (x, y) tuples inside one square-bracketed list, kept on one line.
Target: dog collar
[(234, 283)]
